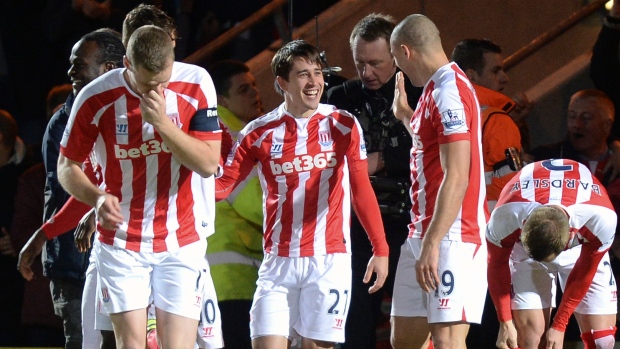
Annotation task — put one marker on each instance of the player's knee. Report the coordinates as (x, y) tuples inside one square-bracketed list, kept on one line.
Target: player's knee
[(599, 339), (531, 340), (317, 344), (531, 336), (407, 342)]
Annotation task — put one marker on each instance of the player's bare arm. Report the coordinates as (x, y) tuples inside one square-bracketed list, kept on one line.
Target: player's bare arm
[(199, 156), (76, 183), (455, 162)]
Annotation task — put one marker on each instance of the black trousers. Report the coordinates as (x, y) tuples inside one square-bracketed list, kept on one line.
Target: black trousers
[(365, 309)]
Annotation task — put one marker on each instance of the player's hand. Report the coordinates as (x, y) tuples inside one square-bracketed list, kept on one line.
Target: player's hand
[(84, 231), (109, 211), (31, 249), (426, 268), (555, 339), (378, 265), (6, 246), (507, 336), (153, 106), (400, 107), (612, 168), (522, 108)]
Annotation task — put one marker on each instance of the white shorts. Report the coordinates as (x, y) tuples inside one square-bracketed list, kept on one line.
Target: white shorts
[(175, 281), (92, 319), (302, 296), (461, 292), (210, 325), (534, 283)]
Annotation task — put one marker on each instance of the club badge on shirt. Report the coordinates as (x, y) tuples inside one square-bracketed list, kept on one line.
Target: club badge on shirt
[(176, 119), (325, 138)]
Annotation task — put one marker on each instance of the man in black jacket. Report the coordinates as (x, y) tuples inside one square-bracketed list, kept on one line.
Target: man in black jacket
[(388, 144), (92, 56)]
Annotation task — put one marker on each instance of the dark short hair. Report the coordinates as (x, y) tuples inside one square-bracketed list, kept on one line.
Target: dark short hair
[(144, 15), (282, 62), (221, 73), (469, 53), (8, 128), (111, 48), (373, 27)]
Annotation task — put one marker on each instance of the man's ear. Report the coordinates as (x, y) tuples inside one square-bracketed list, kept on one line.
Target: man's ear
[(126, 62), (608, 124), (281, 82), (406, 51), (472, 75), (110, 66)]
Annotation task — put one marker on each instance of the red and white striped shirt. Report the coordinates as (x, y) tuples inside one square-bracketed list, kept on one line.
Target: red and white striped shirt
[(447, 112), (592, 221), (303, 166), (165, 204)]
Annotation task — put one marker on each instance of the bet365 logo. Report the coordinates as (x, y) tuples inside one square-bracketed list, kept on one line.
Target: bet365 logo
[(304, 163), (147, 148)]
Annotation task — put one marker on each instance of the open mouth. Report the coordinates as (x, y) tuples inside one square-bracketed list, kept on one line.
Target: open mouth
[(311, 93)]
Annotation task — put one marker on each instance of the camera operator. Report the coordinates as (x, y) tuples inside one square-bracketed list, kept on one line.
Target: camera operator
[(388, 145)]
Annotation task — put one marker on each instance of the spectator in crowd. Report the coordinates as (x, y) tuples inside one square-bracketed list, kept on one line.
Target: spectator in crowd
[(388, 143), (56, 98), (445, 252), (311, 162), (41, 326), (235, 250), (590, 118), (14, 160)]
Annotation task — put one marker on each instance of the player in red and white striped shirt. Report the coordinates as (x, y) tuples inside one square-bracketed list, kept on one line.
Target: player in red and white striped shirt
[(156, 136), (553, 219), (446, 251), (311, 164)]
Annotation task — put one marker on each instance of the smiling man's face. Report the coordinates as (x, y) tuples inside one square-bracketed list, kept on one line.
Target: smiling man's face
[(304, 87)]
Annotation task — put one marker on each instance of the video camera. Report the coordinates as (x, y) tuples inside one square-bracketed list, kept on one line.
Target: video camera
[(392, 196)]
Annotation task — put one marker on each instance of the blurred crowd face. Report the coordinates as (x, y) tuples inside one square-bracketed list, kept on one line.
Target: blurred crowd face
[(373, 61), (243, 98), (493, 75), (588, 125)]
